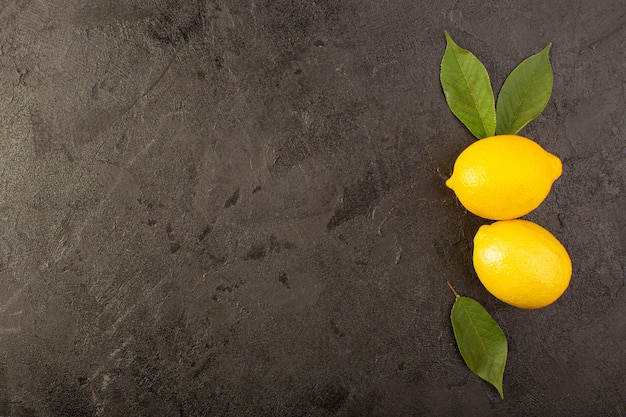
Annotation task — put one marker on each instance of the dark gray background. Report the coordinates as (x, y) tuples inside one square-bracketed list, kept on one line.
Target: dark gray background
[(238, 209)]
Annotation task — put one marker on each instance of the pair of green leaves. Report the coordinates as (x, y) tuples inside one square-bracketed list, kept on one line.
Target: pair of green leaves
[(468, 91)]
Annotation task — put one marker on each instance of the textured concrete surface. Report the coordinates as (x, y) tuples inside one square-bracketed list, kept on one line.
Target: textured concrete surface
[(237, 208)]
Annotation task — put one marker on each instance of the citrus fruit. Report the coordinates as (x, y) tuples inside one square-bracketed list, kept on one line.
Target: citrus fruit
[(503, 177), (521, 263)]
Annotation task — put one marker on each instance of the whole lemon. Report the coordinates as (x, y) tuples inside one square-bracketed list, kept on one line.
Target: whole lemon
[(503, 177), (521, 263)]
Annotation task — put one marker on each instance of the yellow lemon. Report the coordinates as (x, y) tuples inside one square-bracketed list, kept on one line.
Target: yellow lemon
[(503, 177), (521, 263)]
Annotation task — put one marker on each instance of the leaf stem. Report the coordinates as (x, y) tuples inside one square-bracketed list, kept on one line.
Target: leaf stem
[(456, 294)]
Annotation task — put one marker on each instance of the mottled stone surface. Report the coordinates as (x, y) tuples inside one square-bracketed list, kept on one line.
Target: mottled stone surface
[(237, 208)]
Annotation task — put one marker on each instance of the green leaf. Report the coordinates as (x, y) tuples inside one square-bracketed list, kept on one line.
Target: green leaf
[(525, 93), (467, 88), (480, 340)]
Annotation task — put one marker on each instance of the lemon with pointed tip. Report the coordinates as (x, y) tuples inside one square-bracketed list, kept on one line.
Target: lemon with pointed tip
[(504, 177), (521, 263)]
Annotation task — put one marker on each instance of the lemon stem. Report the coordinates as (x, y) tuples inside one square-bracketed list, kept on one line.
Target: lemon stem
[(456, 294)]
